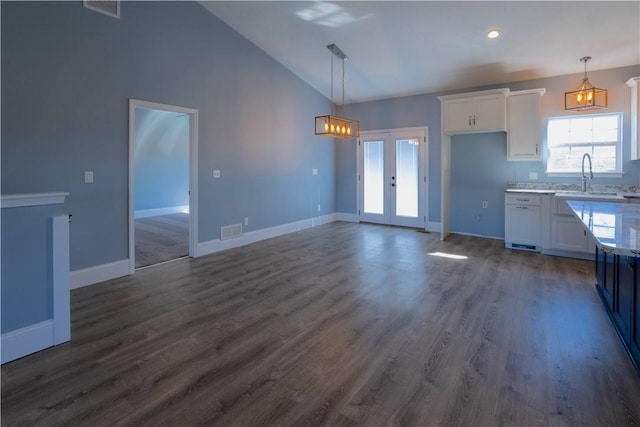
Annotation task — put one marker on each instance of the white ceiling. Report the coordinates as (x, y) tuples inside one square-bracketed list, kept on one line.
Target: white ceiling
[(405, 48)]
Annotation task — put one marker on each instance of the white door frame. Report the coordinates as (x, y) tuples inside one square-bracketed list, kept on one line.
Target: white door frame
[(423, 208), (193, 172)]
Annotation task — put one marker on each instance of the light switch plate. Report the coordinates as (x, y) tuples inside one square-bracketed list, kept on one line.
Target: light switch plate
[(88, 177)]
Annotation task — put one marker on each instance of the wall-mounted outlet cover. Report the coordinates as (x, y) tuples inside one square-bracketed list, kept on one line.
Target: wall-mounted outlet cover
[(314, 171), (216, 173), (246, 221), (533, 175), (485, 204), (88, 177)]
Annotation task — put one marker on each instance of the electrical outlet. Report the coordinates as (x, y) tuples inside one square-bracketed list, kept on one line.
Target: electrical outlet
[(485, 204), (246, 221), (478, 217), (216, 173), (314, 171), (88, 177), (533, 175)]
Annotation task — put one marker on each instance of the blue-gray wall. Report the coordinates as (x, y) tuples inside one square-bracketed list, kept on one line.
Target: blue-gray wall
[(68, 73), (479, 169), (27, 265), (161, 159)]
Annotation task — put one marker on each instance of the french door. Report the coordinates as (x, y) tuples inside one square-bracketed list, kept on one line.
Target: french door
[(392, 171)]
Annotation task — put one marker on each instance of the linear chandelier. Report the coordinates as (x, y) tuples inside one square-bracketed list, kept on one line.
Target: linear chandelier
[(587, 96), (332, 125)]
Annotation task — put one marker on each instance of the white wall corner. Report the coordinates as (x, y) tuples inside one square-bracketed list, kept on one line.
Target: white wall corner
[(61, 296), (98, 273), (27, 340)]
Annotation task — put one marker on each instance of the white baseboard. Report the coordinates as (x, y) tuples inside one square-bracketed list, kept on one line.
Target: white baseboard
[(98, 273), (212, 246), (347, 217), (477, 235), (145, 213), (27, 340)]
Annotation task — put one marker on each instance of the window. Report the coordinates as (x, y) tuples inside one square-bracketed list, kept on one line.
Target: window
[(569, 137)]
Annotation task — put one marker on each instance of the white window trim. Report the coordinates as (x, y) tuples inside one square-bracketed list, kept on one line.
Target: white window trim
[(578, 174), (619, 159)]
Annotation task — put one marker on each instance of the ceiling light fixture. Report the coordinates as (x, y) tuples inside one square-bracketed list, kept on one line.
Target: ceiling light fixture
[(587, 96), (492, 34), (331, 125)]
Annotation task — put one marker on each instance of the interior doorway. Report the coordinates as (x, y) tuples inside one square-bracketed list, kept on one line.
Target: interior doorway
[(392, 177), (162, 183)]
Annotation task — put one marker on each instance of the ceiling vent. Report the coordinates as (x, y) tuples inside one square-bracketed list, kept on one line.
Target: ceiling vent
[(108, 7)]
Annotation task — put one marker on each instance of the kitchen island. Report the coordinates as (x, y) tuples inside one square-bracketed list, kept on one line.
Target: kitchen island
[(615, 228)]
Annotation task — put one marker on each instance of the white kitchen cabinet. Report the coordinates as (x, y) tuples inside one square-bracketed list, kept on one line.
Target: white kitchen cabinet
[(634, 84), (523, 220), (524, 125), (474, 112), (568, 235)]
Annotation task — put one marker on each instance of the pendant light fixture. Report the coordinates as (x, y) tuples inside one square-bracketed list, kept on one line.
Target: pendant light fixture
[(331, 125), (587, 96)]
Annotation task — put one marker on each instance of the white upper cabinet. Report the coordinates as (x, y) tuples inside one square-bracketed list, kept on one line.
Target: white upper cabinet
[(634, 84), (524, 131), (474, 112)]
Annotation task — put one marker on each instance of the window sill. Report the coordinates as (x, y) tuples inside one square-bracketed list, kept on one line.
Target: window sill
[(578, 174)]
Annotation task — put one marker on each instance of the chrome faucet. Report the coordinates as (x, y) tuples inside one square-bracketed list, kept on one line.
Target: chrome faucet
[(584, 177)]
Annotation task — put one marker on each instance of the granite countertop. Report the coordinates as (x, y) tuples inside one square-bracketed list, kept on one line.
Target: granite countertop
[(576, 194), (614, 226), (529, 191)]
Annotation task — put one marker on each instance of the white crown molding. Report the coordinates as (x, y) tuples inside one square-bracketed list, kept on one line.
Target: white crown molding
[(32, 199)]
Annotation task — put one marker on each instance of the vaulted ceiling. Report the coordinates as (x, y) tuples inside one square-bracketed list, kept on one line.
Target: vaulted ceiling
[(403, 48)]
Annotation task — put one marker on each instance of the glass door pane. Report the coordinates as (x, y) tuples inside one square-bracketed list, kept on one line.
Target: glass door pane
[(407, 177), (373, 177)]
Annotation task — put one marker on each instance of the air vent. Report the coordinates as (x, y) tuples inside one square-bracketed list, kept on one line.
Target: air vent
[(108, 7), (230, 231)]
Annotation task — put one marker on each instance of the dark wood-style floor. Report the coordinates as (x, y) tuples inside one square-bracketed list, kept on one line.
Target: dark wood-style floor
[(161, 238), (343, 324)]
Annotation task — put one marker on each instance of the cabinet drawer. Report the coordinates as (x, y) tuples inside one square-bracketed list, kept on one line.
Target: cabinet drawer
[(522, 199)]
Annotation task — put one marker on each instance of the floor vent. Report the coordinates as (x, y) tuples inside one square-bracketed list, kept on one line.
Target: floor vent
[(230, 231), (108, 7)]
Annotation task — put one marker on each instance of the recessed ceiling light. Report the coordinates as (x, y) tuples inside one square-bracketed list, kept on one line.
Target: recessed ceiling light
[(492, 34)]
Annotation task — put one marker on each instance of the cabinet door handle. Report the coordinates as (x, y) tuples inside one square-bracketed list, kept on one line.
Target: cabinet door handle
[(521, 207), (474, 120), (536, 148), (522, 200), (469, 121)]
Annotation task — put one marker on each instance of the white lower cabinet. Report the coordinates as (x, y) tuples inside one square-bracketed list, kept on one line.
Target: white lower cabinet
[(522, 221), (545, 223), (568, 237), (568, 234)]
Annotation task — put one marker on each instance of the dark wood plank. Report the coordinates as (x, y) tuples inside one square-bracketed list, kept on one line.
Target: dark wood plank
[(342, 324), (161, 238)]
